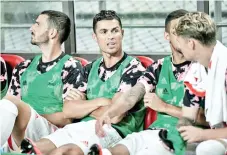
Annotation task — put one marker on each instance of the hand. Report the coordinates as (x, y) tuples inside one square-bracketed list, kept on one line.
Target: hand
[(105, 119), (75, 94), (154, 102), (191, 134)]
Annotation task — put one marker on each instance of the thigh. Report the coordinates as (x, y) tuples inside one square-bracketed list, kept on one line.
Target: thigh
[(69, 149), (153, 145), (156, 150), (213, 147), (38, 127), (143, 140), (77, 130), (59, 138), (22, 120), (24, 113), (81, 134), (145, 143), (84, 136)]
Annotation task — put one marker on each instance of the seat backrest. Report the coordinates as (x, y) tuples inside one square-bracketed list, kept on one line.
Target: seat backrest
[(83, 61), (11, 62), (151, 115), (146, 61)]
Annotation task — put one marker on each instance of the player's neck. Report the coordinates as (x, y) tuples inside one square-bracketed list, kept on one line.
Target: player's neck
[(50, 53), (111, 60)]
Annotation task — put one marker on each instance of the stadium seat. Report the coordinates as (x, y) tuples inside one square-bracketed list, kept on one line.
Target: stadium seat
[(12, 59), (11, 62), (150, 116), (146, 61), (83, 61)]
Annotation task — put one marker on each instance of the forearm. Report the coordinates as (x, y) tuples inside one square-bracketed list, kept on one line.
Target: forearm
[(80, 108), (99, 112), (58, 119), (173, 110), (208, 134), (125, 101)]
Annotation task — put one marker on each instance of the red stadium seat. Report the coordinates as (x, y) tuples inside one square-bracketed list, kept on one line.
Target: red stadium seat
[(83, 61), (12, 60), (146, 61), (150, 116)]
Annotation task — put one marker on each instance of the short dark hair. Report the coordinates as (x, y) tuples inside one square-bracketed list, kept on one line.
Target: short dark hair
[(105, 15), (174, 15), (60, 21)]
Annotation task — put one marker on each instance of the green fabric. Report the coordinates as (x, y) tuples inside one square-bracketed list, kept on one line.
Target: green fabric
[(4, 91), (172, 92), (43, 92), (97, 88)]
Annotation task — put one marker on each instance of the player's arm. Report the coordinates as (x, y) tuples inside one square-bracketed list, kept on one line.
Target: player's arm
[(72, 77), (129, 93), (80, 108)]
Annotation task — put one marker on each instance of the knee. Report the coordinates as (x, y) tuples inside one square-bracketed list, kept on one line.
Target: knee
[(71, 149), (68, 149), (10, 97), (55, 152), (201, 149), (210, 147), (119, 150), (45, 146), (13, 99)]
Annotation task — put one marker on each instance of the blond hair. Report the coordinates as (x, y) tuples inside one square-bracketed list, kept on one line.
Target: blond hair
[(199, 26)]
